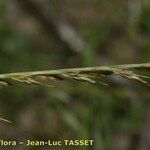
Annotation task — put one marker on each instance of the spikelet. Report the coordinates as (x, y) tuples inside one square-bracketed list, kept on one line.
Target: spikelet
[(91, 75)]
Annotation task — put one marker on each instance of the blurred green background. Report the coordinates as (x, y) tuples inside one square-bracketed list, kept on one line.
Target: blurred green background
[(52, 34)]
